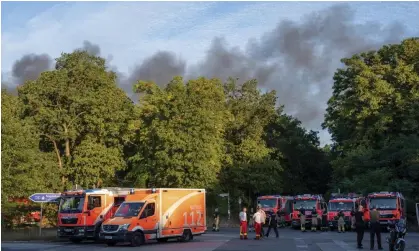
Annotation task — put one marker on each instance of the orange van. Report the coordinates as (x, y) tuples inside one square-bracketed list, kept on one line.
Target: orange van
[(157, 214)]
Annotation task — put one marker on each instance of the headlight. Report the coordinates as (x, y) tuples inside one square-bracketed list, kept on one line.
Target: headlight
[(124, 227)]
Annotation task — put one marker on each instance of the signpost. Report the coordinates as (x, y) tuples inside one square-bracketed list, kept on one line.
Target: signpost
[(228, 202), (44, 198)]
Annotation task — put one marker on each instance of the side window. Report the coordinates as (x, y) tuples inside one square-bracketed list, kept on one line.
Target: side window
[(148, 211), (94, 202)]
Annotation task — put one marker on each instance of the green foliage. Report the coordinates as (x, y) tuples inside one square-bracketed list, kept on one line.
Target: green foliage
[(373, 119)]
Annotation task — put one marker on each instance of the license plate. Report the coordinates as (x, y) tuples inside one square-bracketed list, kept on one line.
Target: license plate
[(108, 237), (68, 230)]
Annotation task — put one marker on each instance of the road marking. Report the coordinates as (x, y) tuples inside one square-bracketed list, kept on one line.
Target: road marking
[(301, 244)]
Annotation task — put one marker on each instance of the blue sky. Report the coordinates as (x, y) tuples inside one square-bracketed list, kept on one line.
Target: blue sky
[(132, 31)]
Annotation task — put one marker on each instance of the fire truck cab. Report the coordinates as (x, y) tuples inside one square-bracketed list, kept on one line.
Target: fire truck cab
[(274, 203), (308, 202), (341, 202), (81, 212), (391, 205)]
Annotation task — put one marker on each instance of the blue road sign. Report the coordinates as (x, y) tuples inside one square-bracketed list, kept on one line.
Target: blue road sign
[(44, 197)]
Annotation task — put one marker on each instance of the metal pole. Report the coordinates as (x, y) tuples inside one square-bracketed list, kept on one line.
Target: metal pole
[(40, 221), (228, 204)]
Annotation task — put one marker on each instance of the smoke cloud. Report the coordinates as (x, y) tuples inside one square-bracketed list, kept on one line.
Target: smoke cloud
[(295, 59), (30, 66)]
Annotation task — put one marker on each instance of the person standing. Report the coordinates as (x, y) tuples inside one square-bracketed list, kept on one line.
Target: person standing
[(302, 214), (243, 224), (257, 219), (375, 228), (359, 226), (281, 214), (273, 223), (263, 215), (341, 222), (314, 220), (216, 224)]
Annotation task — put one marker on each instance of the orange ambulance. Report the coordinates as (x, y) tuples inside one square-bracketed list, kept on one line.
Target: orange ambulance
[(157, 214)]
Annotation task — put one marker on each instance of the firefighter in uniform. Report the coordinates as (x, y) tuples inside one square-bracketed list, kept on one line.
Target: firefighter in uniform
[(243, 224), (341, 222), (216, 224), (314, 219), (302, 215), (257, 218), (262, 232), (273, 223), (324, 223), (281, 214)]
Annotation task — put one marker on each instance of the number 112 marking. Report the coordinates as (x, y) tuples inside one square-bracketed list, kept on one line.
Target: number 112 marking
[(192, 214)]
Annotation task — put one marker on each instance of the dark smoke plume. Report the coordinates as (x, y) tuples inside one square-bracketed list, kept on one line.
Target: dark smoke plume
[(30, 66), (91, 48), (298, 59)]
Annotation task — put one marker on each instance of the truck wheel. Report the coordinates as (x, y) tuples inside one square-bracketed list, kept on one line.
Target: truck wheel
[(137, 239), (186, 236), (110, 243)]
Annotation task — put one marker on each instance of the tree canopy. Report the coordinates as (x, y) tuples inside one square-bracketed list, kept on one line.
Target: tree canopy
[(74, 125)]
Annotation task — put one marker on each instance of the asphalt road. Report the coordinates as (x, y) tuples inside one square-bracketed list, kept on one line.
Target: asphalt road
[(228, 240)]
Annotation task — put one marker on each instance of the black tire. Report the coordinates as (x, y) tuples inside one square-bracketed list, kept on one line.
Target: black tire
[(111, 243), (137, 239), (75, 240), (186, 236), (400, 247), (162, 240)]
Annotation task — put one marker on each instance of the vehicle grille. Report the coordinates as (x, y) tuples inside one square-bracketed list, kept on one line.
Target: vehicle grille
[(110, 228), (69, 220), (386, 216)]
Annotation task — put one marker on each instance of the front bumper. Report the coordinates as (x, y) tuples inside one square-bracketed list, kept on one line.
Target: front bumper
[(120, 236), (84, 232)]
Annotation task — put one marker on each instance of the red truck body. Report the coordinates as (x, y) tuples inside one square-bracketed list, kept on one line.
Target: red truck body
[(274, 203), (342, 202), (307, 201), (391, 205)]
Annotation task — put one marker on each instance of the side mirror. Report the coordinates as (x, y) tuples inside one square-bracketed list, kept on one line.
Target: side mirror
[(101, 217), (295, 202)]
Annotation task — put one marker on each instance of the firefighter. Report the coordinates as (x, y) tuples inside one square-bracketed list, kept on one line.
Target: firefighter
[(302, 215), (263, 214), (251, 221), (273, 223), (257, 218), (314, 220), (281, 215), (324, 222), (341, 222), (215, 225), (243, 224)]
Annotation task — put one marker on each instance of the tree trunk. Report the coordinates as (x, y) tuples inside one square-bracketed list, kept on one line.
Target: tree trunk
[(57, 152), (67, 141)]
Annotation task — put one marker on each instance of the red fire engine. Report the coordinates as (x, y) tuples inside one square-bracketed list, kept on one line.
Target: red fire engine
[(308, 202), (273, 203), (391, 205), (81, 212), (341, 202)]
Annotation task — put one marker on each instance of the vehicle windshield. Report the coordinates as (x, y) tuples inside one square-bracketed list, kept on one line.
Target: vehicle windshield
[(267, 203), (129, 209), (338, 206), (306, 204), (72, 204), (383, 203)]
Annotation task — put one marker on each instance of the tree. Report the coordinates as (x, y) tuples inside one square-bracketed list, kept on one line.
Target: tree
[(305, 165), (80, 111), (180, 141), (24, 169), (372, 116)]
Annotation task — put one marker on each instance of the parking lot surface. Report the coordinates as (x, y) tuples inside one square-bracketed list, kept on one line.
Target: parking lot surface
[(228, 240)]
